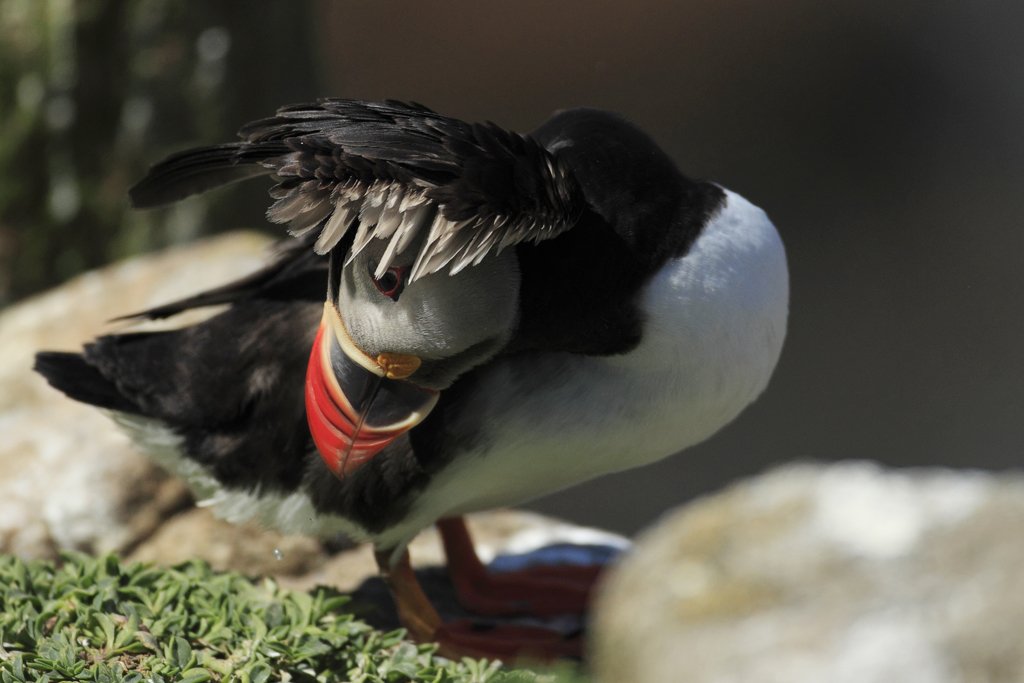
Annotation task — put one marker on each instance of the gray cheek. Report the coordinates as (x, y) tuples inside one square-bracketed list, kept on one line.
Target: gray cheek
[(438, 317), (428, 327), (368, 326), (360, 315), (380, 325)]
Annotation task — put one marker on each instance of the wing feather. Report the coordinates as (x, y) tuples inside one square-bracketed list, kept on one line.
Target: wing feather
[(400, 168)]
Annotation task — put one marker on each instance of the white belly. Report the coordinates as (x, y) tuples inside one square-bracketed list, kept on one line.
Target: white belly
[(716, 320)]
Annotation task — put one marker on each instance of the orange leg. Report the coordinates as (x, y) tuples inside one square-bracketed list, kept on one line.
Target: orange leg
[(466, 638), (537, 591), (415, 612)]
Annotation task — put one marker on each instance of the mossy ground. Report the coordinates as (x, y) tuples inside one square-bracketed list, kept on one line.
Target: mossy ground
[(98, 619)]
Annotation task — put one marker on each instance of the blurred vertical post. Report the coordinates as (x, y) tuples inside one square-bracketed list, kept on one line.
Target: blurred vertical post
[(93, 91)]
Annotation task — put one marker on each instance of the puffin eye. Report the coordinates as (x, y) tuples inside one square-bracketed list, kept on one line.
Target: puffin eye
[(392, 282)]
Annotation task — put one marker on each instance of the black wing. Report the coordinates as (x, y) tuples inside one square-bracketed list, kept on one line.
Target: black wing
[(232, 385), (398, 171), (294, 274)]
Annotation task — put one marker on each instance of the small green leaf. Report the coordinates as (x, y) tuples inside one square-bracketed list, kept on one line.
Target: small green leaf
[(195, 676), (106, 629), (182, 652), (126, 634), (334, 603)]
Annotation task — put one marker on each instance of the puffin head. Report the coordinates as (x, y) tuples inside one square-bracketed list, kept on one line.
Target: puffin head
[(449, 322), (389, 343)]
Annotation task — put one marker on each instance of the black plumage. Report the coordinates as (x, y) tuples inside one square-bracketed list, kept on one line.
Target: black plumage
[(488, 188)]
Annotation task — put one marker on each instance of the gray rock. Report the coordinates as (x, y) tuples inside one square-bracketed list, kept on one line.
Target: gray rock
[(832, 573), (196, 534), (68, 477)]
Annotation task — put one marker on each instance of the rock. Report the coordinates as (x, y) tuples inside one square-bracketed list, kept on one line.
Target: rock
[(815, 573), (197, 535), (68, 477)]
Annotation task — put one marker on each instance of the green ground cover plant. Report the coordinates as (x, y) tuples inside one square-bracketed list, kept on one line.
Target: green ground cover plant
[(98, 619)]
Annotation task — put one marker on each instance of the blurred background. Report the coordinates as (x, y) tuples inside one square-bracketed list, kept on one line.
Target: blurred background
[(883, 138)]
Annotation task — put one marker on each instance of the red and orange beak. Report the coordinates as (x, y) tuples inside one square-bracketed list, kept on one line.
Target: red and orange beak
[(357, 405)]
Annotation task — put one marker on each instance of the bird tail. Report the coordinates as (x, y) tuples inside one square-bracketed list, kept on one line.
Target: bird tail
[(71, 374)]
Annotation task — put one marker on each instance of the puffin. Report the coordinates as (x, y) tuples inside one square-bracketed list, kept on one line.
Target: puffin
[(464, 317)]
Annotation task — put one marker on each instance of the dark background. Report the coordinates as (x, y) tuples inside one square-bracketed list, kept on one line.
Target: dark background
[(883, 138)]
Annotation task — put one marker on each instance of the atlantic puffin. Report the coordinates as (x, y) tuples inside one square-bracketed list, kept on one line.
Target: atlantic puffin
[(506, 315)]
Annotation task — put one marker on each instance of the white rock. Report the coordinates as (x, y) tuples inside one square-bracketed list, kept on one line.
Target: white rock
[(846, 573)]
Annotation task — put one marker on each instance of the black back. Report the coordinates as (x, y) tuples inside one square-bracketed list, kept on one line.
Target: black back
[(580, 290)]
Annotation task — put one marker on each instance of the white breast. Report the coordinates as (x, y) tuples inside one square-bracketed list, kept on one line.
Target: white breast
[(715, 323)]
